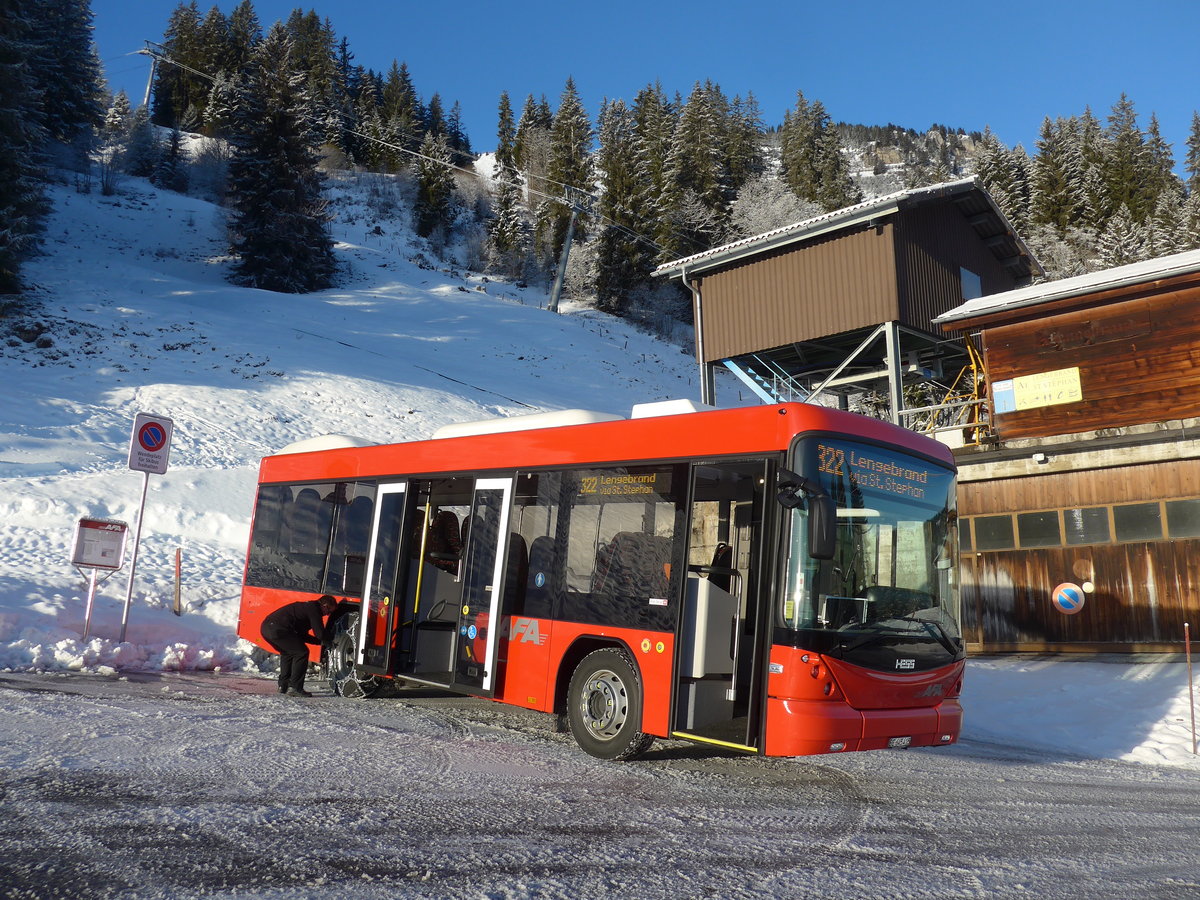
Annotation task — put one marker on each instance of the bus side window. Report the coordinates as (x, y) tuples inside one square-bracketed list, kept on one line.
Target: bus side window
[(266, 561), (348, 559), (539, 589), (303, 521)]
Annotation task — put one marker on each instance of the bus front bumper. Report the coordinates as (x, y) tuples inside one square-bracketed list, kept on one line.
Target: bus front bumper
[(808, 727)]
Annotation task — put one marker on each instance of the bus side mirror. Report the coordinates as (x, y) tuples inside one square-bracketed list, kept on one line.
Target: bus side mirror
[(822, 527), (822, 514)]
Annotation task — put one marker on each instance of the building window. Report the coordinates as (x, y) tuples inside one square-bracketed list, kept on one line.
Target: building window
[(1086, 526), (964, 534), (1038, 529), (972, 284), (1183, 518), (993, 533), (1138, 522)]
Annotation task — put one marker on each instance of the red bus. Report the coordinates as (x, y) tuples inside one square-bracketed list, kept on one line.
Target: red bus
[(781, 580)]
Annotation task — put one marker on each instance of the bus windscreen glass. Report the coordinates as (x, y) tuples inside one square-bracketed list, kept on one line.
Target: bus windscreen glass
[(890, 593)]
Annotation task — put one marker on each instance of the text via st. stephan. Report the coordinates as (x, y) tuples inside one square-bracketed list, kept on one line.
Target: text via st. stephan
[(872, 472)]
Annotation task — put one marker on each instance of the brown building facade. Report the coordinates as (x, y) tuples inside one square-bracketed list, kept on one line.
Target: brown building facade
[(1091, 475), (798, 299)]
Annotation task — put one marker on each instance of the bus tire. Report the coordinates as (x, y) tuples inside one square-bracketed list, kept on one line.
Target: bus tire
[(345, 680), (604, 706)]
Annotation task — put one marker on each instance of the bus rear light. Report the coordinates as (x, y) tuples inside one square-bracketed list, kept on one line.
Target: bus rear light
[(947, 738), (834, 748), (828, 688)]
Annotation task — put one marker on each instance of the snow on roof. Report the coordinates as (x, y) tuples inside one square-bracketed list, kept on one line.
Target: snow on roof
[(556, 419), (1094, 282), (323, 442), (832, 221)]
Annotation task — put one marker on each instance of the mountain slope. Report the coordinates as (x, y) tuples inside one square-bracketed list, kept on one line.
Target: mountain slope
[(136, 317)]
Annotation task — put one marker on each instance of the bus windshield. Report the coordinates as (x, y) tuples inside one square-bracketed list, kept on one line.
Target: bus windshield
[(888, 599)]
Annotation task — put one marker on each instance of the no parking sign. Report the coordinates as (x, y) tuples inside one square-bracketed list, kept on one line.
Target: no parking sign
[(150, 443), (1068, 598)]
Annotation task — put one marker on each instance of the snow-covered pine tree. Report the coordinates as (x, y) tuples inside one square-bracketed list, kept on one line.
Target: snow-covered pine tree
[(1164, 230), (177, 90), (1191, 220), (813, 160), (314, 56), (1191, 159), (623, 260), (435, 189), (22, 202), (654, 121), (1093, 148), (245, 34), (1056, 192), (456, 137), (1005, 175), (278, 227), (114, 136), (435, 117), (506, 229), (835, 187), (797, 149), (64, 67), (569, 166), (1123, 241), (119, 116), (214, 43), (531, 149), (171, 172), (401, 108), (1160, 165), (142, 148), (743, 141), (1129, 180), (698, 194), (222, 100)]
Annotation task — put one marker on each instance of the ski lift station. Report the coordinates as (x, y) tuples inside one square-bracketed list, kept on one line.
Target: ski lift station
[(1071, 405)]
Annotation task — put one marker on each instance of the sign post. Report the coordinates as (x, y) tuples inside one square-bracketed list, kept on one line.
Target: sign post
[(99, 544), (149, 450)]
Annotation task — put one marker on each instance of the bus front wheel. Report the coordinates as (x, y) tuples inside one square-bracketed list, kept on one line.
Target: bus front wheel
[(344, 677), (604, 706)]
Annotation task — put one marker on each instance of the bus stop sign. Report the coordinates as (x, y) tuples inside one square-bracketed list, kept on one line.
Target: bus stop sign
[(150, 443)]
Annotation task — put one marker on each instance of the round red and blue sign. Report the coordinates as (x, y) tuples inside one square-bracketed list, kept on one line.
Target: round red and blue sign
[(1069, 598), (152, 436)]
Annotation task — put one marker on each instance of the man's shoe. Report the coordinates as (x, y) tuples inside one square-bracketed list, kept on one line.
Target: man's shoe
[(299, 692), (283, 689)]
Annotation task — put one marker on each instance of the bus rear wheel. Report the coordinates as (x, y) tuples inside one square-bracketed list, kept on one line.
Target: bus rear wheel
[(604, 706), (345, 679)]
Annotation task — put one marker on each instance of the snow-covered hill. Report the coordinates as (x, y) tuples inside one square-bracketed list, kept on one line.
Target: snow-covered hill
[(135, 316)]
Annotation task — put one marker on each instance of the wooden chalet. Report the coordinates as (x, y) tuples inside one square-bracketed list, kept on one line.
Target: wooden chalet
[(1090, 475)]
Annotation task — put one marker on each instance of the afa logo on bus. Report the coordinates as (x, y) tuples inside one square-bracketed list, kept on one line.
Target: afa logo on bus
[(527, 630)]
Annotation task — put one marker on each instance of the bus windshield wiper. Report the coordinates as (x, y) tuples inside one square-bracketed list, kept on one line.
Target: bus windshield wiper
[(863, 640), (936, 630)]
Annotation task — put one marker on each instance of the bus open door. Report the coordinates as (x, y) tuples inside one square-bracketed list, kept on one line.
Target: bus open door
[(722, 635)]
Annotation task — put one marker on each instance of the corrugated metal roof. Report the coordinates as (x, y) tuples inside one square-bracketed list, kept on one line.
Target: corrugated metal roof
[(1122, 276), (848, 217)]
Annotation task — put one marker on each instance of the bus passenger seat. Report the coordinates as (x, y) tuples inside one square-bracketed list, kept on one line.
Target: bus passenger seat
[(633, 566)]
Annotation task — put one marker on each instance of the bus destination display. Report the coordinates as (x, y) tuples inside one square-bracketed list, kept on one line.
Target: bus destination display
[(867, 469)]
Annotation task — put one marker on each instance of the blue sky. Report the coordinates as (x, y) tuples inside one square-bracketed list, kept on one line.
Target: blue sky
[(961, 64)]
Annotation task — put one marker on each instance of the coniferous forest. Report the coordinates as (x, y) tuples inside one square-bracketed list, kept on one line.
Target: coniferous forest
[(655, 177)]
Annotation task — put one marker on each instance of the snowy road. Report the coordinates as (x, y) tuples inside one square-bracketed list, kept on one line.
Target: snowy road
[(202, 785)]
